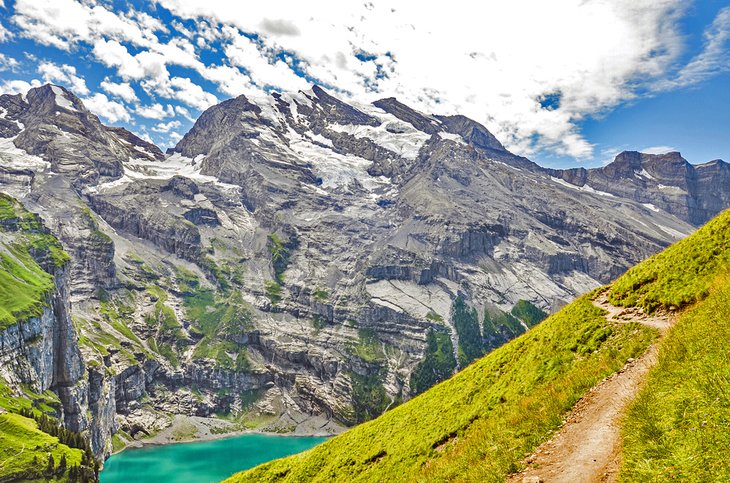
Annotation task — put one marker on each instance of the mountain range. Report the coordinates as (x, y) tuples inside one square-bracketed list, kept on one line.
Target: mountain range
[(298, 262)]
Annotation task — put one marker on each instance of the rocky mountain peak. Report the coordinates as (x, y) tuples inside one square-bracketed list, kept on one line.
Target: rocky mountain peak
[(49, 98), (340, 112), (217, 125)]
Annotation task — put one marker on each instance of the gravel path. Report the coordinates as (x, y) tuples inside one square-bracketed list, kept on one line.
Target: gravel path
[(588, 447)]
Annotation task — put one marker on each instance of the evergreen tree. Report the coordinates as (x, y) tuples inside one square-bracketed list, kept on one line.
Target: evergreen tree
[(50, 467)]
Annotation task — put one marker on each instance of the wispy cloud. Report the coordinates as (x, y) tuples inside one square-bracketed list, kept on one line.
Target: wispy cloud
[(713, 59), (658, 149)]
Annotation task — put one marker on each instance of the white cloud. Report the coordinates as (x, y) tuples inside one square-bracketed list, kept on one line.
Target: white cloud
[(122, 90), (166, 127), (5, 34), (246, 53), (714, 58), (142, 133), (104, 107), (489, 61), (18, 86), (658, 150), (7, 62), (180, 110), (155, 111), (492, 61), (181, 89), (175, 137), (63, 74), (63, 23)]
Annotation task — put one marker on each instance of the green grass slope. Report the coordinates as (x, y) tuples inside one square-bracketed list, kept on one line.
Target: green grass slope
[(23, 283), (479, 424), (25, 451), (678, 428), (680, 275)]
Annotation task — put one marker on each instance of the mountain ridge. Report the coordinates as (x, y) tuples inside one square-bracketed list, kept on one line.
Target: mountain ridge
[(300, 261)]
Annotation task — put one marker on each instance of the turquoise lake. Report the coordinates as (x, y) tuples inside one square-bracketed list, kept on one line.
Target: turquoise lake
[(201, 462)]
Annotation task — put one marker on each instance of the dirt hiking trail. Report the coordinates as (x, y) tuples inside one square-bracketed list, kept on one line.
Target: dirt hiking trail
[(587, 448)]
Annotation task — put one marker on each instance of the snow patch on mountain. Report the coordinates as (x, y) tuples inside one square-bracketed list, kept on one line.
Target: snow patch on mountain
[(13, 157), (62, 100), (336, 170), (584, 188), (393, 135)]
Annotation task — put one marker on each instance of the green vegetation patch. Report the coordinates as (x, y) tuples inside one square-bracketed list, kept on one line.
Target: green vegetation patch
[(25, 451), (368, 347), (320, 295), (466, 323), (437, 365), (369, 398), (528, 313), (479, 424), (221, 321), (678, 428), (187, 280), (500, 325), (280, 253), (680, 275), (273, 291), (33, 446), (24, 284)]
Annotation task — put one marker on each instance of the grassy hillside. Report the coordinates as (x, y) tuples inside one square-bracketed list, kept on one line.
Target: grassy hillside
[(27, 453), (680, 275), (23, 283), (479, 424), (678, 428)]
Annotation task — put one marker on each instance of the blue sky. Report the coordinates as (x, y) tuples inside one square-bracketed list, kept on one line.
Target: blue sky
[(568, 83)]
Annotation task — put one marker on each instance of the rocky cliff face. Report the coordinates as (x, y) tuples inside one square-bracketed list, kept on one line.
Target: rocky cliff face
[(694, 193), (39, 350), (292, 254)]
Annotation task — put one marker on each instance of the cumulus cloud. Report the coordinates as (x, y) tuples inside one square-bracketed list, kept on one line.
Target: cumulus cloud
[(267, 69), (181, 89), (180, 110), (489, 61), (122, 90), (5, 34), (155, 111), (174, 137), (106, 108), (18, 86), (64, 23), (279, 27), (165, 127), (7, 62), (65, 75)]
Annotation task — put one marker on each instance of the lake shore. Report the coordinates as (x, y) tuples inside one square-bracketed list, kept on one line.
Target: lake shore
[(192, 429)]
